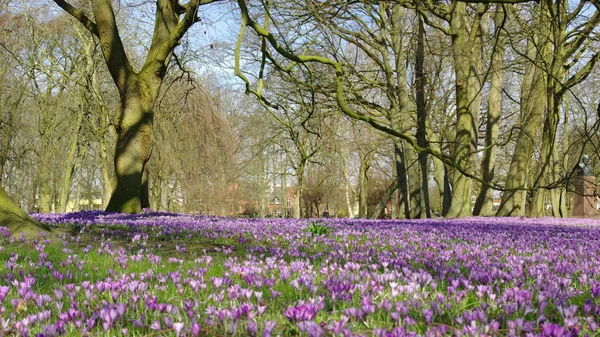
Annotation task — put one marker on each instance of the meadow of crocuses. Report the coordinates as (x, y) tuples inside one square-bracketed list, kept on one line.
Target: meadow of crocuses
[(160, 274)]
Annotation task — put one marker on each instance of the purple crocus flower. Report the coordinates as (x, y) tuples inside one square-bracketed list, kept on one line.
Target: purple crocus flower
[(311, 328), (302, 312), (268, 328), (178, 327)]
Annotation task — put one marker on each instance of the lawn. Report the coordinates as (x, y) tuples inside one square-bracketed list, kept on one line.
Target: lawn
[(160, 274)]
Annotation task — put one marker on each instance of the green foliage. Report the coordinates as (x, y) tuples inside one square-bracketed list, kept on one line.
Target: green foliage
[(316, 228)]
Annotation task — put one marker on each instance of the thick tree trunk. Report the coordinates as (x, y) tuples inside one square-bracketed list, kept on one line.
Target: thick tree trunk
[(146, 188), (401, 116), (555, 65), (533, 105), (476, 79), (484, 202), (16, 220), (465, 133), (133, 149), (514, 199), (137, 90), (156, 188), (547, 174)]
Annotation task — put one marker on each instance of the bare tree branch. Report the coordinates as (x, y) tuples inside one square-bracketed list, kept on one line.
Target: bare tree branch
[(79, 15)]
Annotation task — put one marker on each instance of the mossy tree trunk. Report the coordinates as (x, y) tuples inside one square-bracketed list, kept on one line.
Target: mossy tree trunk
[(465, 141), (16, 220), (133, 150), (138, 90), (557, 63), (533, 104), (484, 202)]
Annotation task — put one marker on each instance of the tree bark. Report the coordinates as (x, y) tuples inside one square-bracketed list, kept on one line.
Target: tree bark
[(476, 80), (533, 104), (403, 192), (133, 149), (420, 82), (484, 202), (464, 143)]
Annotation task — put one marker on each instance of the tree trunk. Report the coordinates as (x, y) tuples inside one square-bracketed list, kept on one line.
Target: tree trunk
[(67, 180), (6, 145), (16, 220), (447, 200), (465, 133), (438, 169), (45, 191), (484, 202), (415, 193), (283, 197), (137, 90), (378, 212), (563, 209), (46, 153), (403, 192), (476, 79), (145, 188), (349, 191), (420, 82), (133, 149), (299, 187), (9, 132), (156, 192), (554, 25), (533, 104), (77, 198), (105, 167), (363, 186), (401, 116)]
